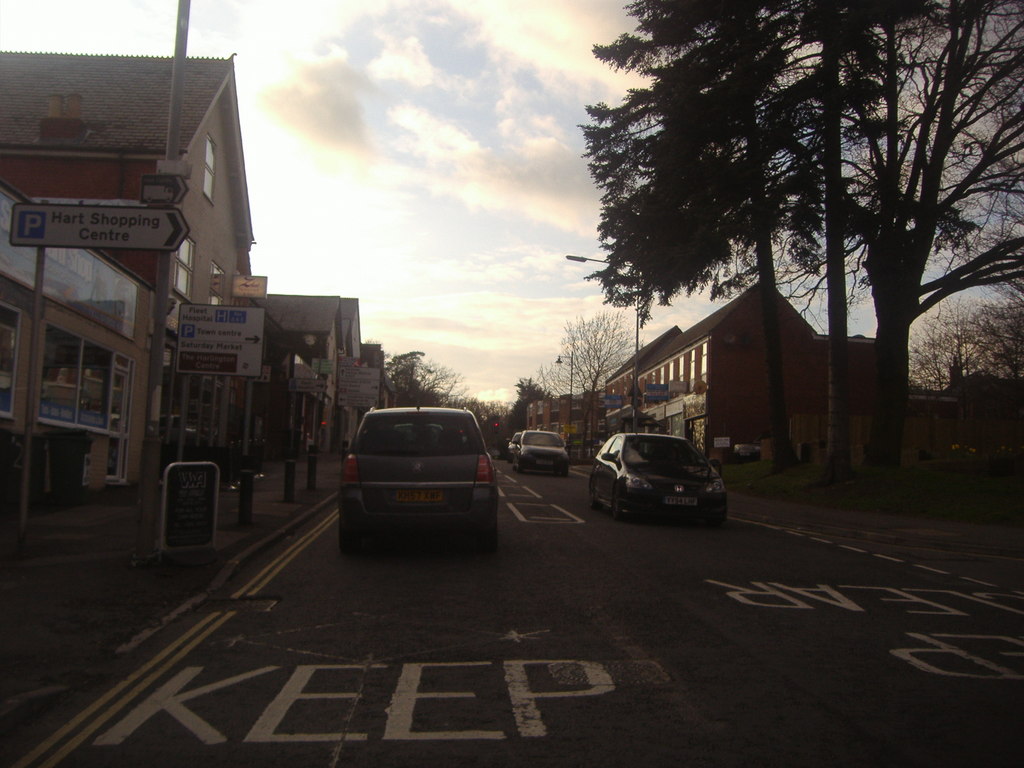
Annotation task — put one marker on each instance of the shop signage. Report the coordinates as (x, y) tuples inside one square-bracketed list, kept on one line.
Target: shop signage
[(189, 506)]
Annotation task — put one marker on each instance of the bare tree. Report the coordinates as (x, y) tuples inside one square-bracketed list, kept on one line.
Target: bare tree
[(591, 351), (1001, 328), (946, 346), (422, 382)]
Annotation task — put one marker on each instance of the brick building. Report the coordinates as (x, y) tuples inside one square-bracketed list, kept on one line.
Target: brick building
[(709, 382), (79, 128)]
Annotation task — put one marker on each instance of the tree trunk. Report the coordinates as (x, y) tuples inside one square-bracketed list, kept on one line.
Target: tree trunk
[(894, 313), (783, 455), (838, 464)]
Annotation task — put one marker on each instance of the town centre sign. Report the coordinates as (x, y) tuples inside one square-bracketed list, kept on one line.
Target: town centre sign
[(214, 339)]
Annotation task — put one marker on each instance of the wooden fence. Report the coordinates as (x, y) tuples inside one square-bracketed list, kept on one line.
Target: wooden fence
[(924, 438)]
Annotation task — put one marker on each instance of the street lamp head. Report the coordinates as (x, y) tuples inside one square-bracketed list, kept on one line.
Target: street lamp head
[(571, 257)]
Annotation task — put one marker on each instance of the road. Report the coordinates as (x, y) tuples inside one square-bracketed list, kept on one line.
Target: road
[(582, 642)]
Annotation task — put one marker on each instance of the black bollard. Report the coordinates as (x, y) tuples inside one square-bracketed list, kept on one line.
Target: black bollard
[(289, 479), (245, 486), (311, 468)]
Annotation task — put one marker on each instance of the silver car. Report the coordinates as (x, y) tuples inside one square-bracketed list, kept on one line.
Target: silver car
[(418, 469)]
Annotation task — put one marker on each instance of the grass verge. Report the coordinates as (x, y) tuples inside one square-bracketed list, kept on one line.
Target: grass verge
[(919, 490)]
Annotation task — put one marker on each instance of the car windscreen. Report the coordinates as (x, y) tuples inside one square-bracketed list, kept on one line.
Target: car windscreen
[(663, 454), (417, 434), (545, 439)]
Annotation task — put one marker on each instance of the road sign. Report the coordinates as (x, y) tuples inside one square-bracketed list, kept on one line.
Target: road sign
[(97, 226), (162, 188), (358, 386), (215, 339), (307, 385)]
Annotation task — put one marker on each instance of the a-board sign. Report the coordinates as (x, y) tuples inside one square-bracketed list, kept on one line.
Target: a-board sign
[(189, 508)]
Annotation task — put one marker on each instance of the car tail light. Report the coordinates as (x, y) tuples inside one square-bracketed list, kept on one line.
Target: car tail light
[(484, 469), (350, 470)]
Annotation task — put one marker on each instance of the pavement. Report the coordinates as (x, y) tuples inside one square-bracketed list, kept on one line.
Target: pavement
[(76, 593)]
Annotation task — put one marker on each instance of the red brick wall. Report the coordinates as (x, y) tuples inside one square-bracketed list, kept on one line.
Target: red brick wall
[(738, 379), (88, 179)]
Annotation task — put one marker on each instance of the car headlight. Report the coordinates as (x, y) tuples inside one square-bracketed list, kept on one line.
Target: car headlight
[(715, 486), (637, 483)]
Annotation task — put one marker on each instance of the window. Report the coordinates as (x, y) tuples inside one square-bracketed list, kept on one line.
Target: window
[(216, 284), (8, 345), (184, 259), (209, 168), (76, 381)]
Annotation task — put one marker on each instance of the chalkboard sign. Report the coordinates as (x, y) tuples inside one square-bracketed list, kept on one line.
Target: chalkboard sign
[(190, 504)]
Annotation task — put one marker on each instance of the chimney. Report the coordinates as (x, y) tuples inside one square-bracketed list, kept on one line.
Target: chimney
[(63, 124)]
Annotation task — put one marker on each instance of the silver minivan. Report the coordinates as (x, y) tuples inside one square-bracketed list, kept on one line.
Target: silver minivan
[(418, 469)]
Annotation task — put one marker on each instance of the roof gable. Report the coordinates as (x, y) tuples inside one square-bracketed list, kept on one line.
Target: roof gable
[(124, 99)]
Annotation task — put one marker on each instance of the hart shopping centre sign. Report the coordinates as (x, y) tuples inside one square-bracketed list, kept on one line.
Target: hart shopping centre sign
[(97, 226)]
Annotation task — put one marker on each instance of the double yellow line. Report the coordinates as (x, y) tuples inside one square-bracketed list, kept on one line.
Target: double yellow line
[(81, 727), (267, 575)]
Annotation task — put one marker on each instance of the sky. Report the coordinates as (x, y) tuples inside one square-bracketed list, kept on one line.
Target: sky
[(422, 156)]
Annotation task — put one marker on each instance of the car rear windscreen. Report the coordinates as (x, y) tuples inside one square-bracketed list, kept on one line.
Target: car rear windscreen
[(418, 434), (547, 439)]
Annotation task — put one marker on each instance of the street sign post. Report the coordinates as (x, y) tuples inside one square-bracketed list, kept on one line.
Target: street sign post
[(47, 225), (358, 386), (214, 339)]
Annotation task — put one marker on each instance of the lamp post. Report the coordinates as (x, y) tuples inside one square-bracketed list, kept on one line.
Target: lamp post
[(636, 341)]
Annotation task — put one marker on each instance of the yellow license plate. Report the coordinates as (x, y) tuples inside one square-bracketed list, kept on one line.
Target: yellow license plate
[(419, 496)]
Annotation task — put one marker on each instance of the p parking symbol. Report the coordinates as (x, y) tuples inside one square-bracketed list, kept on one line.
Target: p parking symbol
[(31, 224)]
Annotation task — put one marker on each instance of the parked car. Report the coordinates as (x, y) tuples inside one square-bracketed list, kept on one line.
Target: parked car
[(542, 451), (418, 469), (513, 447), (658, 475), (747, 451)]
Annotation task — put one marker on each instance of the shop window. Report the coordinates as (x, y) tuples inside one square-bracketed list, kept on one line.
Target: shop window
[(8, 347), (94, 394), (76, 380)]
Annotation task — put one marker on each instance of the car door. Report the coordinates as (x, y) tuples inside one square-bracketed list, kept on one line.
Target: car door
[(606, 467)]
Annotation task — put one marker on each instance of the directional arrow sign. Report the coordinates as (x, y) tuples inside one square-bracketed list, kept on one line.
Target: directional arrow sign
[(214, 339), (162, 188), (97, 226)]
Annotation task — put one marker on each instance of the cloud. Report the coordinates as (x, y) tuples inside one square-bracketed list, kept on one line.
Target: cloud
[(554, 38), (320, 100), (538, 176)]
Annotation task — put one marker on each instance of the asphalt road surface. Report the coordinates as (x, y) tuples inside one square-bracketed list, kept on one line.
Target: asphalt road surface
[(581, 642)]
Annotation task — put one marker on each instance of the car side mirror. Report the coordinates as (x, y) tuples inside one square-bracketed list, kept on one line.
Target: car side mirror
[(715, 464)]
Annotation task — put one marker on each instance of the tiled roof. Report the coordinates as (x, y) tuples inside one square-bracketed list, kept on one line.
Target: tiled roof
[(674, 340), (303, 313), (125, 100)]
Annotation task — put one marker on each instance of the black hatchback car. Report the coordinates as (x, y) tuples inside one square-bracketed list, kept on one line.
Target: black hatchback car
[(418, 469), (657, 475)]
